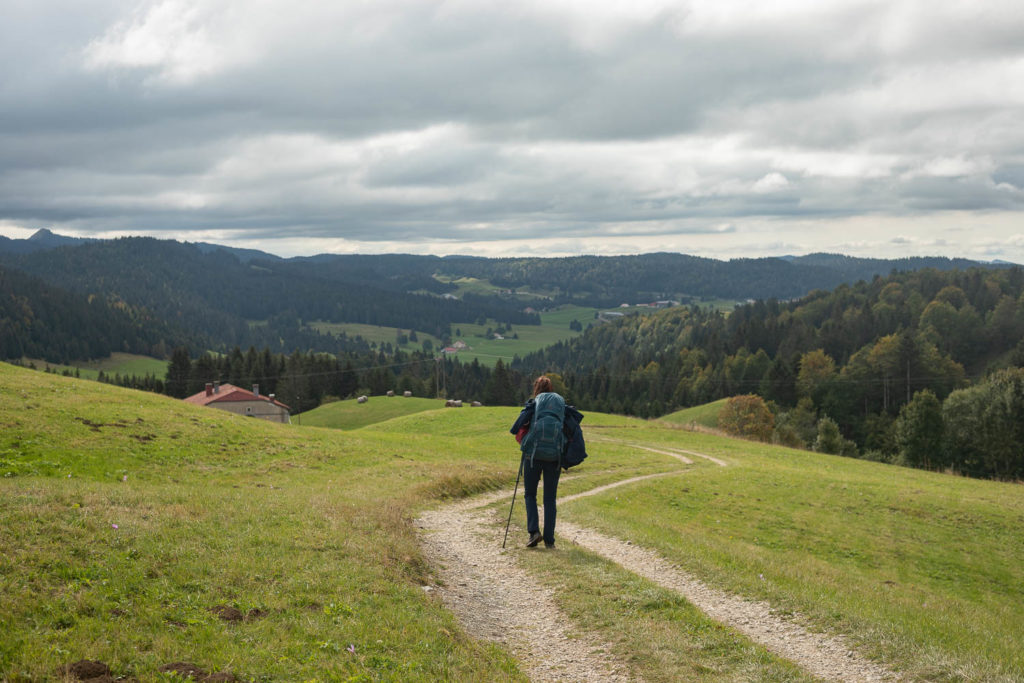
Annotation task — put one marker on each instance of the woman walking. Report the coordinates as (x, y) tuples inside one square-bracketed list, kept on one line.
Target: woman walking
[(546, 429)]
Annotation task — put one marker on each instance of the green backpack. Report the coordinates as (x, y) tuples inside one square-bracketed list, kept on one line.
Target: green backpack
[(546, 441)]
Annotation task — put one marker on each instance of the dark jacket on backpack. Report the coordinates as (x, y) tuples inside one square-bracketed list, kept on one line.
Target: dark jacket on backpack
[(576, 449)]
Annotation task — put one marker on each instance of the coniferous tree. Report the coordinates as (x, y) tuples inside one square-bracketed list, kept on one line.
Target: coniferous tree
[(499, 390), (178, 372)]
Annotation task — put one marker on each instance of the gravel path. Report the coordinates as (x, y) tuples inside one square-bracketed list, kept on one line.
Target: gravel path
[(486, 589), (496, 600), (824, 656)]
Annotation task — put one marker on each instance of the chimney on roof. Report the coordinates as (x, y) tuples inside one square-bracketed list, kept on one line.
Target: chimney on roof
[(209, 388), (255, 389)]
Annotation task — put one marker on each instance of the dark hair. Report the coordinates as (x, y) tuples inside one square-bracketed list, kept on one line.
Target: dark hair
[(541, 385)]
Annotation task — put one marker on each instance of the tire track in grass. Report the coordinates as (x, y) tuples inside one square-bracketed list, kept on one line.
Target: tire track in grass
[(824, 656), (496, 599), (677, 453)]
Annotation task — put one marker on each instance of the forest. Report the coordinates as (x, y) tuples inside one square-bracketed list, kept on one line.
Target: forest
[(214, 298), (211, 300), (863, 356), (40, 321)]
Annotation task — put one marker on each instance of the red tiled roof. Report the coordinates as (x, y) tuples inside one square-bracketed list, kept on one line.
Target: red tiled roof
[(229, 392)]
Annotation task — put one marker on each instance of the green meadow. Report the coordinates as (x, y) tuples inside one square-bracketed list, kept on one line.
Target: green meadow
[(375, 334), (124, 364), (131, 524), (351, 414), (704, 415), (554, 328), (472, 285)]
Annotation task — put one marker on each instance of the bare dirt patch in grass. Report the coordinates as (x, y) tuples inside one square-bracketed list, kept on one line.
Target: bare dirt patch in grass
[(196, 673)]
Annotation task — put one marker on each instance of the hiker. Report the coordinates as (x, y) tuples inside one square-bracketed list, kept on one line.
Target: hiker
[(550, 439)]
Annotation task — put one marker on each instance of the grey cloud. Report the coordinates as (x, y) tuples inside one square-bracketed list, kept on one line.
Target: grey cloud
[(124, 148)]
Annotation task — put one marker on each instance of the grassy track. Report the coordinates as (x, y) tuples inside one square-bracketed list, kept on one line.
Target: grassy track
[(308, 529)]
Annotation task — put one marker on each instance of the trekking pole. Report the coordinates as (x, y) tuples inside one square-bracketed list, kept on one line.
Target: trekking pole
[(514, 492)]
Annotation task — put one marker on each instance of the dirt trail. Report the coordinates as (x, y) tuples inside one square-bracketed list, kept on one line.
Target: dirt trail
[(486, 589), (824, 656), (496, 600)]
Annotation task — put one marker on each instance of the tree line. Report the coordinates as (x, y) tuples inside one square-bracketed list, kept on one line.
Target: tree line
[(305, 380), (855, 356)]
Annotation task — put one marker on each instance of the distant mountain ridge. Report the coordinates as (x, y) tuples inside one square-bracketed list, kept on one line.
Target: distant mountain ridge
[(45, 239), (222, 296)]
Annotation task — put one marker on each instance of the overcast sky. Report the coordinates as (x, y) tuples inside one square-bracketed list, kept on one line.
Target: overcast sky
[(882, 128)]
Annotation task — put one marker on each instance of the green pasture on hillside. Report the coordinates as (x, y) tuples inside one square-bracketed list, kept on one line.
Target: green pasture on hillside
[(923, 570), (351, 414), (554, 328), (376, 334), (127, 519), (472, 285), (124, 364), (705, 415)]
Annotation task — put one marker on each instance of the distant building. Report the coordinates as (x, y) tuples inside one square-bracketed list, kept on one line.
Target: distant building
[(460, 345), (242, 402), (449, 350)]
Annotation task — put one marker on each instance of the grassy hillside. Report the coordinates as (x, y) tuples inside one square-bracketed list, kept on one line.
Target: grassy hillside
[(705, 415), (554, 328), (351, 414), (117, 363), (922, 569), (376, 334), (127, 518), (173, 513)]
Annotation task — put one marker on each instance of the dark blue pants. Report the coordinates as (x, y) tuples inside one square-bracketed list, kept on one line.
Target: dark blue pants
[(531, 477)]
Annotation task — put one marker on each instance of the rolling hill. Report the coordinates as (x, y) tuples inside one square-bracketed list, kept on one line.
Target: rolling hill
[(141, 531)]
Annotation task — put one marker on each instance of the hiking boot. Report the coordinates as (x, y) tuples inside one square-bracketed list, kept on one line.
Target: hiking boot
[(534, 539), (549, 545)]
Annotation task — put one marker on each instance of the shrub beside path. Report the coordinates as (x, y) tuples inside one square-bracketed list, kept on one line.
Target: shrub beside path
[(487, 590)]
